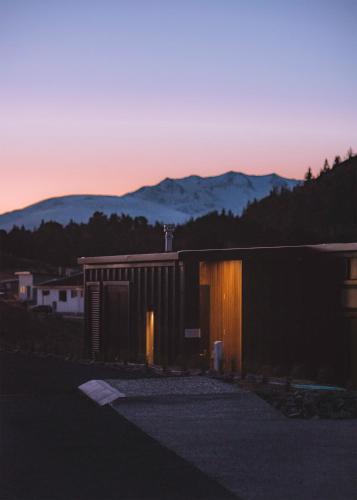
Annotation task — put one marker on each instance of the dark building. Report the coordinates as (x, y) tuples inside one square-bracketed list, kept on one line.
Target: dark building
[(277, 307)]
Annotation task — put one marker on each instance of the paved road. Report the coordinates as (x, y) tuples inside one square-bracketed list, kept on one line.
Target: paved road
[(56, 444), (241, 441)]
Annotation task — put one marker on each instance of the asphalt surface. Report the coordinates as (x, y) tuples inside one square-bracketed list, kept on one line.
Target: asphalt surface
[(57, 444), (243, 442)]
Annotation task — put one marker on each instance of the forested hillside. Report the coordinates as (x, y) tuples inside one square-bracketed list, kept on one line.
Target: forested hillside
[(323, 209)]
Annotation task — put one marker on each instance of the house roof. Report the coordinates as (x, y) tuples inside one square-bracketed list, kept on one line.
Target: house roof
[(38, 277), (345, 248), (76, 280)]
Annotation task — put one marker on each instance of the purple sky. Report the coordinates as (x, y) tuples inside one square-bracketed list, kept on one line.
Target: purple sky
[(105, 96)]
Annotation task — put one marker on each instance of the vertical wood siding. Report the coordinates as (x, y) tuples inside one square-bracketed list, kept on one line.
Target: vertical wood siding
[(224, 280)]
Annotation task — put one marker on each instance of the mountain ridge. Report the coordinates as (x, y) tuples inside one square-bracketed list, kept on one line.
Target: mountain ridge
[(171, 200)]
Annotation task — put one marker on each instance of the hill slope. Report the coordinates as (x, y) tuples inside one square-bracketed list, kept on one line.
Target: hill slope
[(323, 209)]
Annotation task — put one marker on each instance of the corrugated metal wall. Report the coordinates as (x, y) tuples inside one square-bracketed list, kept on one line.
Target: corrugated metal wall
[(153, 287)]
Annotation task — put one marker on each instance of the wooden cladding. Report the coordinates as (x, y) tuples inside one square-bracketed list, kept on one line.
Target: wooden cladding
[(221, 302)]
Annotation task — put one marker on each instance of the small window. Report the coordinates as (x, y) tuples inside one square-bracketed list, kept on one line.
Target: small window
[(73, 294), (45, 292), (62, 295)]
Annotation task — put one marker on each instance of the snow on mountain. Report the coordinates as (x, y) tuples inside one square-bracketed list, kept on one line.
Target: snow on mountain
[(172, 200)]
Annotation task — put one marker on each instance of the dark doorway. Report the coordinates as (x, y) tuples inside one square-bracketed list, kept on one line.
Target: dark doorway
[(205, 347), (116, 320)]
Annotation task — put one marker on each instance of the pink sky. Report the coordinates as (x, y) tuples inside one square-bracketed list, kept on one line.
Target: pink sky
[(104, 101)]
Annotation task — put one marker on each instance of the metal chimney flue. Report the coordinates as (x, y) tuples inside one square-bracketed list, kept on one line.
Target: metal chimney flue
[(169, 236)]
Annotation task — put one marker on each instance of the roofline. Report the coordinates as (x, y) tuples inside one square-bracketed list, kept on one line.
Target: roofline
[(43, 285), (52, 282), (33, 273), (341, 248), (144, 257)]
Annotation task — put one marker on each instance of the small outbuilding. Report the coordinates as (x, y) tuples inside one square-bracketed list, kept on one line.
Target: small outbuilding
[(285, 308)]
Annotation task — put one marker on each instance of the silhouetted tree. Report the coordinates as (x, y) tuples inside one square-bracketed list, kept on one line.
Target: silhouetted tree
[(337, 161), (325, 168), (350, 153), (308, 176)]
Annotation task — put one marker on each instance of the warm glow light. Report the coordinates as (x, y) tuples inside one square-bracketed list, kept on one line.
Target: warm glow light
[(150, 337), (224, 308)]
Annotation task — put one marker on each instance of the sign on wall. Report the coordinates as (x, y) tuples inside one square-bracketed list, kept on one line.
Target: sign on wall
[(192, 333)]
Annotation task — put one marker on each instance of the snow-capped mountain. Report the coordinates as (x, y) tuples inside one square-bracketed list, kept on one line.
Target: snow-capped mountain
[(172, 200)]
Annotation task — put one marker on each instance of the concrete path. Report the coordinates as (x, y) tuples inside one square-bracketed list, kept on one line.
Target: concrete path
[(242, 442)]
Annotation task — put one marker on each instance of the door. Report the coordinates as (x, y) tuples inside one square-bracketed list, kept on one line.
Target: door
[(116, 341), (205, 323), (224, 281)]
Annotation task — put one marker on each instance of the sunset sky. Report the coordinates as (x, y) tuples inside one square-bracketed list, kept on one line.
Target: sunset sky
[(104, 96)]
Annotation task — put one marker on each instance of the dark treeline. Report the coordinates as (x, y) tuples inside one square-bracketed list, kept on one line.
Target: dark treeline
[(322, 209), (61, 245)]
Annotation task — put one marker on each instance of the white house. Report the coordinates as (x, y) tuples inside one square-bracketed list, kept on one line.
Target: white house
[(64, 295), (28, 282)]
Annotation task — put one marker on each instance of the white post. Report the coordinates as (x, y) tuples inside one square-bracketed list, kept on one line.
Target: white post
[(218, 355)]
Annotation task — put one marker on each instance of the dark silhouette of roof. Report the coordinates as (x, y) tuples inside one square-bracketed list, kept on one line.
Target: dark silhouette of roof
[(76, 280)]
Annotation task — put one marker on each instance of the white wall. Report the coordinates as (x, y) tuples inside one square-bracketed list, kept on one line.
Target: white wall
[(74, 305)]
